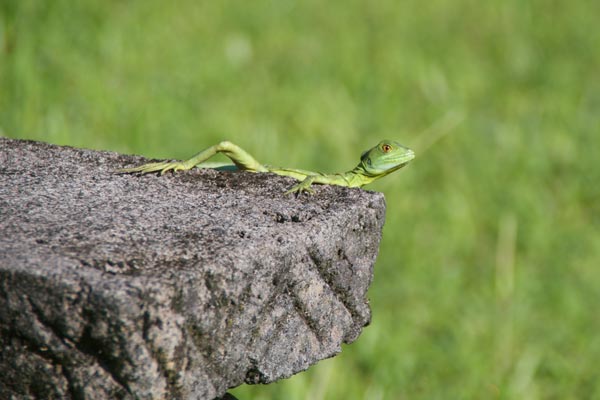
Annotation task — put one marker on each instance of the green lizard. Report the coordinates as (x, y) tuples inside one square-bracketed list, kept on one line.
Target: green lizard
[(379, 161)]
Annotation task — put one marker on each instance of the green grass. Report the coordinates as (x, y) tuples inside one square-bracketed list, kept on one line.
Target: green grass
[(488, 279)]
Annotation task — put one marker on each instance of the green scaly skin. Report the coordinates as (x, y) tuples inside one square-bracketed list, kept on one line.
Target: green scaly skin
[(377, 162)]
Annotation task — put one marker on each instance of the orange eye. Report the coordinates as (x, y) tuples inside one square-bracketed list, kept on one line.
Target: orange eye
[(386, 148)]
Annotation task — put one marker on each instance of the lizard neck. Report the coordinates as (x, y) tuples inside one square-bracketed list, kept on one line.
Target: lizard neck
[(358, 177)]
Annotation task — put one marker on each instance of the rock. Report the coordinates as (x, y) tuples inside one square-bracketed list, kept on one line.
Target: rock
[(171, 287)]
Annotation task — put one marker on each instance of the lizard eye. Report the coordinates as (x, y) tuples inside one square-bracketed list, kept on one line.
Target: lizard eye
[(386, 148)]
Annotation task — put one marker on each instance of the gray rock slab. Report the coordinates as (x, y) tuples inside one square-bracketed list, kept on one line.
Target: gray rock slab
[(171, 287)]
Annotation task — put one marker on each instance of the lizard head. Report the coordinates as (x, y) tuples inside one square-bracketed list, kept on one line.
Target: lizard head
[(385, 158)]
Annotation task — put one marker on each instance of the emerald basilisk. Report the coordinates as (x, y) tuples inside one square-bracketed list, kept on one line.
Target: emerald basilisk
[(377, 162)]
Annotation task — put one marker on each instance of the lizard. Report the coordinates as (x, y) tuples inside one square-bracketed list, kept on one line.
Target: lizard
[(384, 158)]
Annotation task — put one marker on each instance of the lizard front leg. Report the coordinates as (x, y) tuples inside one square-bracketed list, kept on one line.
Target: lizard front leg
[(325, 179), (303, 186), (239, 156)]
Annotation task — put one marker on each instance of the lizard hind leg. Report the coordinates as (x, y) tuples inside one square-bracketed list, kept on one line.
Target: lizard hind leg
[(239, 156)]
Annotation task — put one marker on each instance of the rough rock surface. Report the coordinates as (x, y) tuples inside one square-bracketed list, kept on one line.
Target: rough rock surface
[(176, 286)]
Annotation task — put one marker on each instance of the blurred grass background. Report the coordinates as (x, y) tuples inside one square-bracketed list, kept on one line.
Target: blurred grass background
[(488, 280)]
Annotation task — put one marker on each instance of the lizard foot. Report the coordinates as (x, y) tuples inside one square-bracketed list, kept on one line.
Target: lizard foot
[(302, 187)]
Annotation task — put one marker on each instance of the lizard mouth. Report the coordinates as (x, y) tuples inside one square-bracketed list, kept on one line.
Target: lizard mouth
[(406, 158)]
